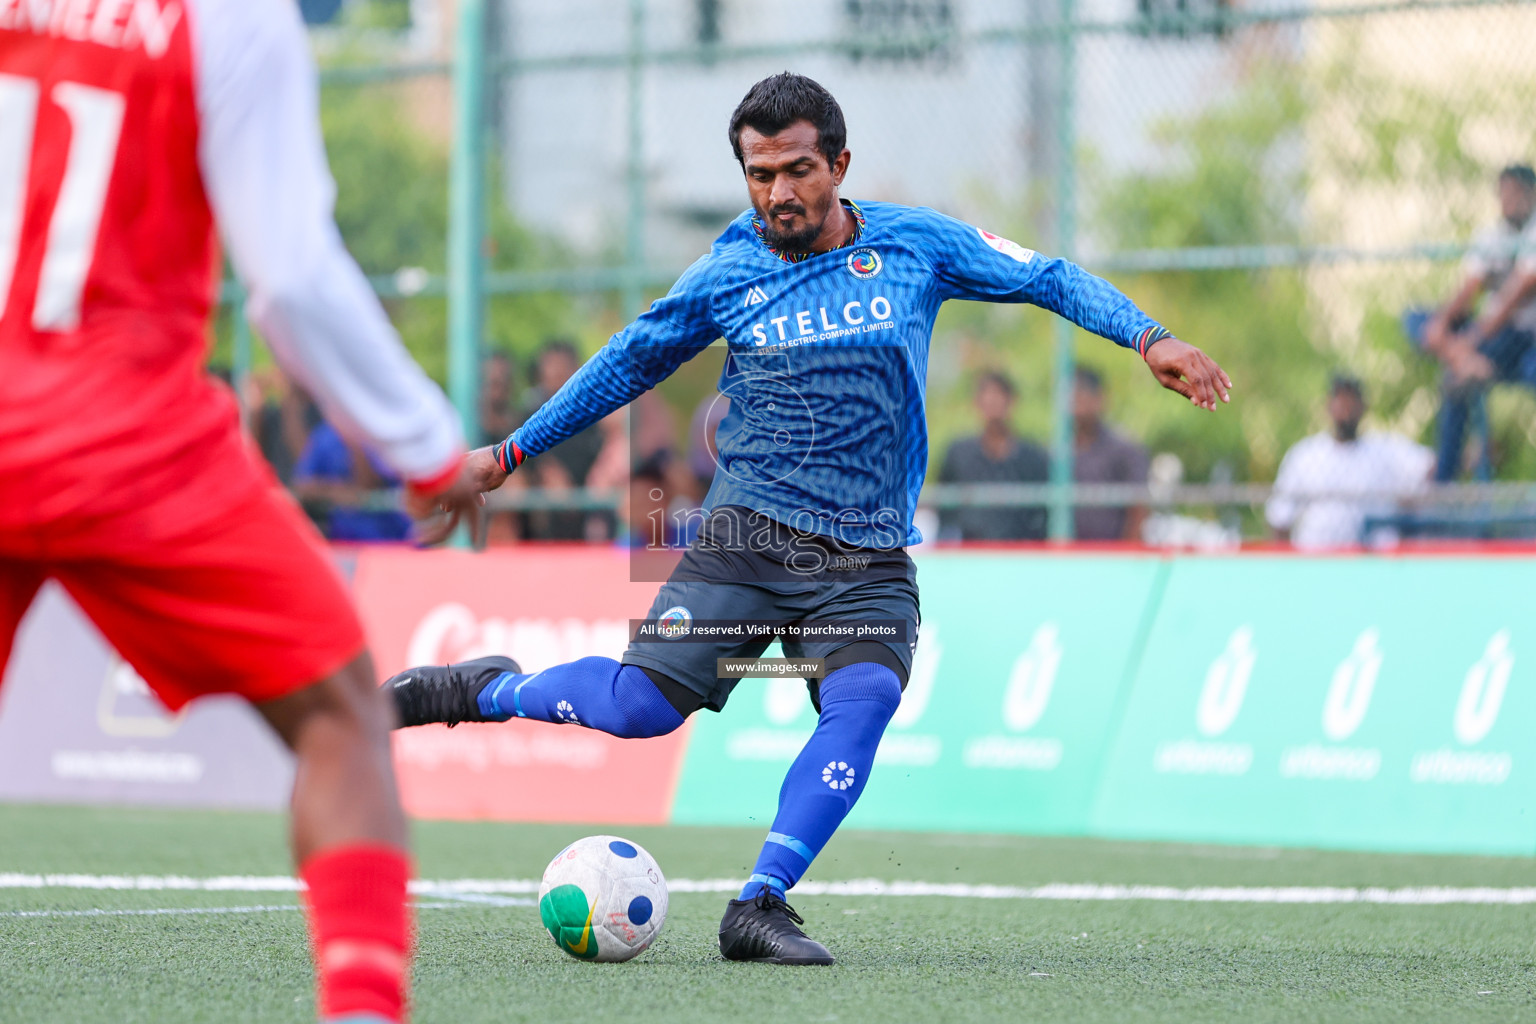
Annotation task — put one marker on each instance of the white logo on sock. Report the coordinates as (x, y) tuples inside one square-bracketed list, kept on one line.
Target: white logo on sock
[(566, 713), (837, 775)]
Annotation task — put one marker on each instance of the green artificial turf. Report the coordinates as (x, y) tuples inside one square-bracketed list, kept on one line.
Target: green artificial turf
[(900, 958)]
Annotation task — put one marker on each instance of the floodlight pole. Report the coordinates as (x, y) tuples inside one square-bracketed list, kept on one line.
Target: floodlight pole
[(1066, 232), (466, 215)]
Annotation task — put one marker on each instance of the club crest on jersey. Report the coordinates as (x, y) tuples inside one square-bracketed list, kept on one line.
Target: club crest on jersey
[(864, 263), (675, 622), (755, 294), (1013, 250)]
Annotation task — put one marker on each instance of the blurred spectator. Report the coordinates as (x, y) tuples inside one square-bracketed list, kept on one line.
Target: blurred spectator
[(653, 440), (611, 470), (1101, 455), (609, 473), (498, 418), (1330, 482), (995, 456), (601, 458), (703, 456), (555, 364), (660, 481), (653, 430), (1499, 343), (280, 418), (656, 518), (565, 466), (332, 479), (646, 522)]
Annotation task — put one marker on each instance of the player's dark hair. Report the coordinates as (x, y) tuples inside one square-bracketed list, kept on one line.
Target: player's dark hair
[(998, 379), (1521, 173), (775, 103), (1347, 382), (652, 468), (1089, 378), (565, 346)]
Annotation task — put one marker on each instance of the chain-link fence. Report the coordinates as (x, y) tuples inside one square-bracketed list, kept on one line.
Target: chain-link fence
[(1283, 185)]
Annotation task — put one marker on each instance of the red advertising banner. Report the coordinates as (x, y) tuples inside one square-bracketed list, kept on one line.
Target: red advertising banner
[(541, 606)]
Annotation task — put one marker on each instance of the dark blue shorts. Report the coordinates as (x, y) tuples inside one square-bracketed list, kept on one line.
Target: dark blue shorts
[(836, 595)]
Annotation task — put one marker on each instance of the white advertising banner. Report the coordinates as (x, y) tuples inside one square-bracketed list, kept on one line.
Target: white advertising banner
[(77, 724)]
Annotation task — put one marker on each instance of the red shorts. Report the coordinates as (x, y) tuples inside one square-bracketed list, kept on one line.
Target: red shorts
[(247, 602)]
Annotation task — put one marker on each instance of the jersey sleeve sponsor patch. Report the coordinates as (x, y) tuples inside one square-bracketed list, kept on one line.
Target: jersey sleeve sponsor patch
[(1013, 250)]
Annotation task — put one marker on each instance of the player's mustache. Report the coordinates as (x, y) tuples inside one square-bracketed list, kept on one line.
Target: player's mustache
[(794, 208)]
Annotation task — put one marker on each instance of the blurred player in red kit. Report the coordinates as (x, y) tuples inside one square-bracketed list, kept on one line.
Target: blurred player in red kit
[(128, 129)]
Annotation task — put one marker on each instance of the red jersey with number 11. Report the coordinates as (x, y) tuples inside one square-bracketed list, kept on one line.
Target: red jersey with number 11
[(127, 128), (107, 260)]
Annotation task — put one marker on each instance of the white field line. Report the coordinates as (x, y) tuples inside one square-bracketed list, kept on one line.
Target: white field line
[(153, 912), (456, 902), (472, 887)]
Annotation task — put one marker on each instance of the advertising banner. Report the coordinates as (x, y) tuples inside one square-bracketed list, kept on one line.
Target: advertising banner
[(542, 606), (1367, 703), (1349, 702), (1005, 721), (78, 725)]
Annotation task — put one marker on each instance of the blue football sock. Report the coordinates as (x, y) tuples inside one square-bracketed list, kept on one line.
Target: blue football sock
[(598, 693), (857, 703)]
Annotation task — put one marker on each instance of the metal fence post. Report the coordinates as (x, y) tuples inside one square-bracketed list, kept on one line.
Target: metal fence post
[(466, 223), (634, 172), (466, 214), (1066, 229), (240, 347)]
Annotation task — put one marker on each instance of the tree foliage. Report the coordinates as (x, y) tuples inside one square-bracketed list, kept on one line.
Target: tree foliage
[(392, 209), (1291, 155), (1232, 177)]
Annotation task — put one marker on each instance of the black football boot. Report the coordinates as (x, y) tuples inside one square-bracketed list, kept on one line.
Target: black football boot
[(445, 693), (765, 930)]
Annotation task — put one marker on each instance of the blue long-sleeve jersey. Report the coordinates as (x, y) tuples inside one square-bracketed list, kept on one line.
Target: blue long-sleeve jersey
[(828, 361)]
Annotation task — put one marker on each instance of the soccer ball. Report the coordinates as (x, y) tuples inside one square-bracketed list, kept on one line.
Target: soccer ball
[(603, 899)]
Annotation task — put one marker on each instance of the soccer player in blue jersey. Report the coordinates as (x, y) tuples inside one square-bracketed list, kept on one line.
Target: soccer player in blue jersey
[(827, 308)]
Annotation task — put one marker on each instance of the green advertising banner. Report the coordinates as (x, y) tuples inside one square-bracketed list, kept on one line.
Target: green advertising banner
[(1364, 703), (1021, 663)]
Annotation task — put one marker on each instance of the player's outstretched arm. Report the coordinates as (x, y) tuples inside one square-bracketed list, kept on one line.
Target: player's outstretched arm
[(980, 266), (677, 327), (1179, 366), (264, 168), (609, 381)]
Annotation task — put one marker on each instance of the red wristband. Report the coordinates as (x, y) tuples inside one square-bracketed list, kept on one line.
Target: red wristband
[(440, 481)]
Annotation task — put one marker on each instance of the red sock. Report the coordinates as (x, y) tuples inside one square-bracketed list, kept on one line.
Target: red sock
[(361, 922)]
